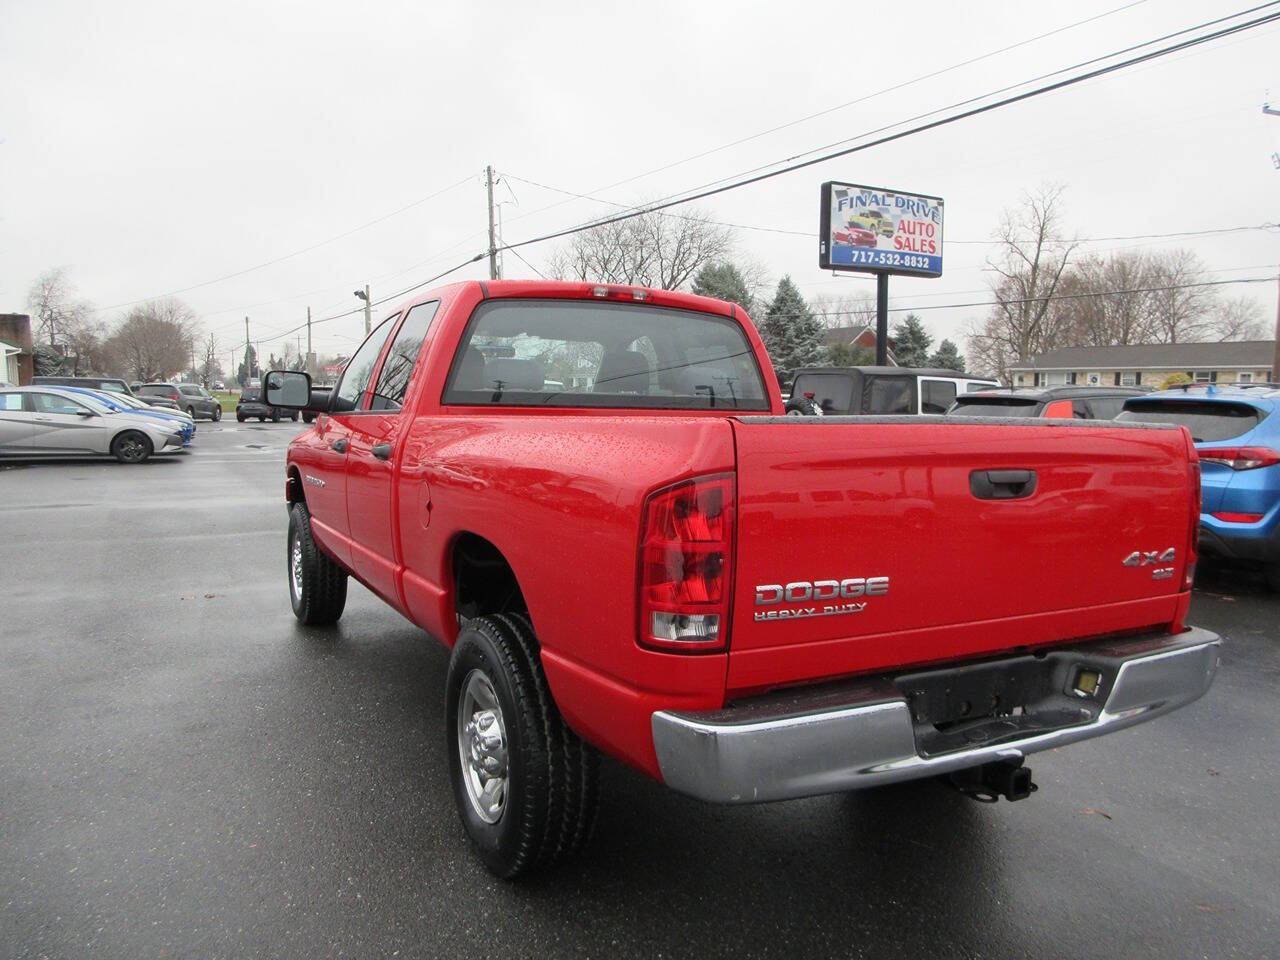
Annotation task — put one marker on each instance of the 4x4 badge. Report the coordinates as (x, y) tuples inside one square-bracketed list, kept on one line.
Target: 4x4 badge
[(1149, 558)]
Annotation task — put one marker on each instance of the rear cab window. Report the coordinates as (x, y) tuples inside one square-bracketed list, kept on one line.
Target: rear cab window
[(581, 353), (1206, 420)]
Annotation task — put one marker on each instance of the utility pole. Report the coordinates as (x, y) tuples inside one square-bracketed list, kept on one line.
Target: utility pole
[(882, 319), (368, 307), (248, 367), (1275, 357), (308, 330), (493, 245)]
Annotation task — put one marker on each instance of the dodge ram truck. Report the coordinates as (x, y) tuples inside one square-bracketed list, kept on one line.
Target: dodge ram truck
[(592, 496)]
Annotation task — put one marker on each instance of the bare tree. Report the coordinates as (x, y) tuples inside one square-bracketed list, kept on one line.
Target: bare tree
[(844, 310), (154, 339), (65, 322), (1030, 261), (209, 369), (1105, 301), (1182, 309), (1239, 319), (651, 250)]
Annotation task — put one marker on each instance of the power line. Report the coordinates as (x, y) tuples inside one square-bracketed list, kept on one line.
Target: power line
[(747, 179), (871, 96), (289, 256)]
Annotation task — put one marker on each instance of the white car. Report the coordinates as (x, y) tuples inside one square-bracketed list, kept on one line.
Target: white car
[(41, 422)]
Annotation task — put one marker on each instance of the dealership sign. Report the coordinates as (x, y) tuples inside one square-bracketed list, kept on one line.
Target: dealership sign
[(880, 231)]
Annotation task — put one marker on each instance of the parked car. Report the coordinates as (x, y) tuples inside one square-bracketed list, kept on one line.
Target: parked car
[(109, 384), (1070, 402), (122, 403), (657, 564), (845, 391), (189, 397), (45, 421), (251, 405), (1236, 431)]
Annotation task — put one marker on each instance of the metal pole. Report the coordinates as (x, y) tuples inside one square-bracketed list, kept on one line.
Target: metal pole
[(308, 330), (493, 246), (367, 311), (248, 366), (1275, 359), (882, 320)]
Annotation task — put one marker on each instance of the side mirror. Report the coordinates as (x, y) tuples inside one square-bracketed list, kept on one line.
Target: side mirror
[(287, 388), (291, 389)]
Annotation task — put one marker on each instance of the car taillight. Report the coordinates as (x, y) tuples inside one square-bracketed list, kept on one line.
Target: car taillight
[(686, 557), (1237, 517), (1193, 538), (1241, 458)]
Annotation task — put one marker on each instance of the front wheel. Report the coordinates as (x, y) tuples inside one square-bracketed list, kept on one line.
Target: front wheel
[(240, 418), (131, 447), (525, 785), (317, 585)]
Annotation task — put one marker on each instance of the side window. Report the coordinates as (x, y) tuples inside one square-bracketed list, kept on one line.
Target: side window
[(936, 395), (10, 402), (1106, 408), (359, 371), (52, 403), (1080, 410), (398, 367), (887, 396)]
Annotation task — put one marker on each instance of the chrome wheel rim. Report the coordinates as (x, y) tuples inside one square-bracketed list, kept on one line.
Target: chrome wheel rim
[(295, 568), (482, 747)]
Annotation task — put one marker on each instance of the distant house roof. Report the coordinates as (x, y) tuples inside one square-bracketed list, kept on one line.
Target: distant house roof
[(862, 335), (1157, 356), (8, 349)]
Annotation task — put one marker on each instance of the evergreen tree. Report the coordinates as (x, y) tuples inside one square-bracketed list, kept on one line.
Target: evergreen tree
[(724, 282), (850, 355), (790, 331), (947, 357), (911, 342)]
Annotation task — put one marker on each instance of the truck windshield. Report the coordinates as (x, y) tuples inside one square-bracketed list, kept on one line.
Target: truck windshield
[(581, 353)]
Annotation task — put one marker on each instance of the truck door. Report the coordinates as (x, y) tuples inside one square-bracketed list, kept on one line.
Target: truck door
[(372, 460), (324, 467)]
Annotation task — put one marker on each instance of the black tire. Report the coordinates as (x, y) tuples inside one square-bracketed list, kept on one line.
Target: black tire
[(275, 416), (551, 796), (318, 591), (294, 416), (131, 446), (262, 419), (239, 417), (308, 418), (803, 407), (191, 412), (217, 414)]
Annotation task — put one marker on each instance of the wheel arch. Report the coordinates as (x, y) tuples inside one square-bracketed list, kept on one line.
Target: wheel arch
[(482, 580)]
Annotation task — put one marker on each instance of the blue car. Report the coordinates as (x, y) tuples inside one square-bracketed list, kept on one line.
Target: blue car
[(1236, 431), (121, 403)]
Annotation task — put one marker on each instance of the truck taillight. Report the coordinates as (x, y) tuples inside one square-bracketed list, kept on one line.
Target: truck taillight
[(686, 559), (1241, 458), (1193, 538)]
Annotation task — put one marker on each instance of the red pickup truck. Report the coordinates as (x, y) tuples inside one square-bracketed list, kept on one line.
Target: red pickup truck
[(593, 496)]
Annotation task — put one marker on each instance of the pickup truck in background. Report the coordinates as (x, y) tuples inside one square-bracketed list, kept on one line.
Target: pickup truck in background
[(593, 496)]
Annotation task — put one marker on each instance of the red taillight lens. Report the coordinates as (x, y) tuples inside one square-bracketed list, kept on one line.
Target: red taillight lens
[(1241, 458), (686, 554), (1237, 517)]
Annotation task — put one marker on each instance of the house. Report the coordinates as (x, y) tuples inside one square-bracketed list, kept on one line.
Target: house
[(1136, 365), (17, 350), (861, 335)]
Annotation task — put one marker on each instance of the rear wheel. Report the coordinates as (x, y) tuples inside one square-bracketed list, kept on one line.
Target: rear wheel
[(317, 585), (239, 417), (525, 785), (191, 412), (131, 447), (217, 414), (275, 416), (294, 416)]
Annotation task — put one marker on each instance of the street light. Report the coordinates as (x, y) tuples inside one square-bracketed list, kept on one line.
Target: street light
[(364, 295)]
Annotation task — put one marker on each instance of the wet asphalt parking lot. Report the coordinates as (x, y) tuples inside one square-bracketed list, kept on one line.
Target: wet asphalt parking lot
[(187, 772)]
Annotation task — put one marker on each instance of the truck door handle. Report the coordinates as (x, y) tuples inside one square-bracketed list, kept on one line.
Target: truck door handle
[(340, 444), (381, 450), (1002, 484)]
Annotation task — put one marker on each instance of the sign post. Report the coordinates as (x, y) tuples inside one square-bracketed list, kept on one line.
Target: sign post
[(879, 231)]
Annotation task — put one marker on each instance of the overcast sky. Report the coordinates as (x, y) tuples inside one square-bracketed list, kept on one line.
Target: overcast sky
[(150, 147)]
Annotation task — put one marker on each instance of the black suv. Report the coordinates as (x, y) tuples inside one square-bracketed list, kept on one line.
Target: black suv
[(252, 405), (1078, 403)]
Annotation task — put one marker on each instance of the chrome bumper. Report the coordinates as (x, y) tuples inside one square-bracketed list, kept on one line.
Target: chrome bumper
[(863, 733)]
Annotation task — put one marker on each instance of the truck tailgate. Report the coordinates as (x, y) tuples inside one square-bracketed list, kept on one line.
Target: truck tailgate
[(870, 543)]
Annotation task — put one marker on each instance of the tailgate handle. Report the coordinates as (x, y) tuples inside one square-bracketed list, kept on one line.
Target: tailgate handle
[(1002, 484)]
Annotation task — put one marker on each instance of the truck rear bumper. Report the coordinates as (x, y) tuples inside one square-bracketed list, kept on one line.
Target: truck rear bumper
[(867, 732)]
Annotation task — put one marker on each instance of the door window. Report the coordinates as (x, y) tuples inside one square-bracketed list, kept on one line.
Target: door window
[(936, 395), (10, 401), (52, 403), (398, 367), (359, 371)]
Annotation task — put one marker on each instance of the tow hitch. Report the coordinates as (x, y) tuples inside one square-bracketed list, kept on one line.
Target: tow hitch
[(991, 781)]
